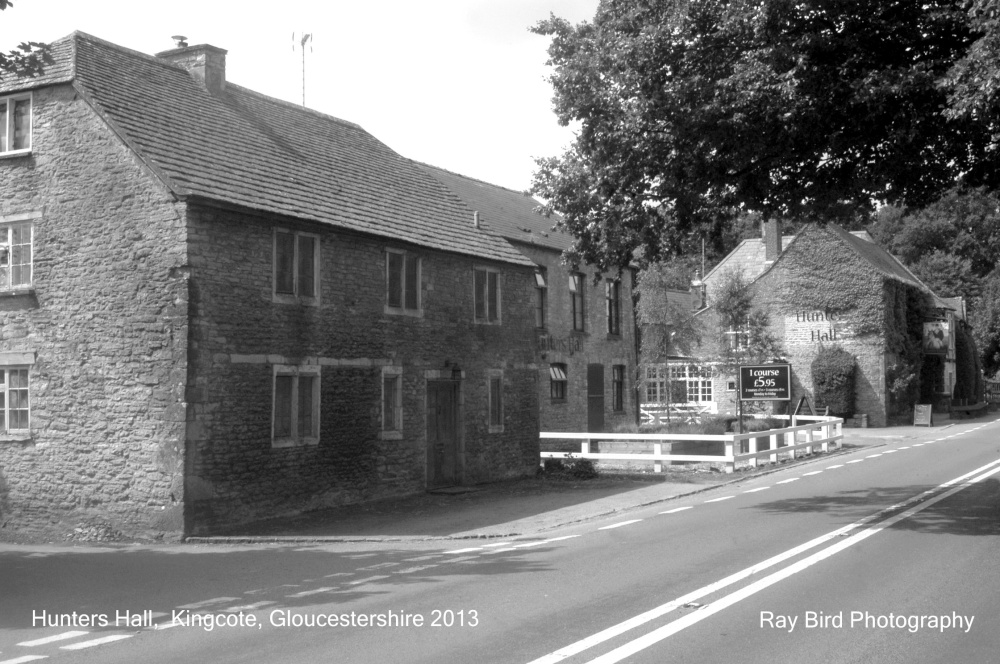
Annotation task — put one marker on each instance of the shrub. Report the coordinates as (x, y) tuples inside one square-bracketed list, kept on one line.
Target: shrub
[(833, 378), (582, 469)]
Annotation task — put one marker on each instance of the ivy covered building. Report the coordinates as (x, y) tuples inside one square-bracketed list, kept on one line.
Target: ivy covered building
[(827, 287)]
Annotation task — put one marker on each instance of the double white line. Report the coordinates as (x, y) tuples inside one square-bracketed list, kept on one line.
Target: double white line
[(672, 628)]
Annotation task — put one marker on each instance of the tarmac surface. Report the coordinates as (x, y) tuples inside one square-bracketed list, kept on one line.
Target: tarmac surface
[(526, 506)]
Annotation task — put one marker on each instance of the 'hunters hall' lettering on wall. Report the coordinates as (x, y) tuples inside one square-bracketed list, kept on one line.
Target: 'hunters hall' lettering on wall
[(810, 327)]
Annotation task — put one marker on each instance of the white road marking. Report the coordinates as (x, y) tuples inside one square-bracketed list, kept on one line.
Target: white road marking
[(96, 642), (790, 479), (379, 566), (22, 660), (889, 452), (559, 539), (528, 545), (904, 448), (643, 618), (619, 525), (839, 465), (872, 456), (677, 509), (704, 612), (496, 544), (417, 559), (856, 461), (474, 548), (762, 488), (51, 639), (815, 472), (717, 500)]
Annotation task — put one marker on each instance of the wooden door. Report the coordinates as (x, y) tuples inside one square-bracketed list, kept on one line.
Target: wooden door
[(595, 397), (442, 433)]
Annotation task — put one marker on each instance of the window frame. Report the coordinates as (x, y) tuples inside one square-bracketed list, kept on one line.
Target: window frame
[(541, 299), (296, 296), (7, 245), (558, 382), (295, 437), (408, 258), (5, 390), (394, 432), (618, 388), (613, 297), (7, 130), (492, 286), (495, 400), (578, 303)]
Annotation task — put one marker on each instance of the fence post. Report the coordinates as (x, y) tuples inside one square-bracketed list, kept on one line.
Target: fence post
[(774, 447), (752, 448), (730, 455), (657, 451), (585, 447)]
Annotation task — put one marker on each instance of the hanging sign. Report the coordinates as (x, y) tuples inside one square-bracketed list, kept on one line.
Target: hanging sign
[(767, 382)]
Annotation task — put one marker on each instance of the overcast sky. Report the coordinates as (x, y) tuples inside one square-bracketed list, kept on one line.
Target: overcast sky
[(459, 84)]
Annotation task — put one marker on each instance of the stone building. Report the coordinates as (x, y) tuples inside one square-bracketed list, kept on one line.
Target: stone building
[(219, 307), (585, 327), (825, 287)]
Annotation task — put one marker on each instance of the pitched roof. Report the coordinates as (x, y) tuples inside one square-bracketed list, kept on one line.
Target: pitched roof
[(510, 213), (246, 149)]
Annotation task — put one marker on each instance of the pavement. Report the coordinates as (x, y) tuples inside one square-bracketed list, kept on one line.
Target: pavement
[(527, 506)]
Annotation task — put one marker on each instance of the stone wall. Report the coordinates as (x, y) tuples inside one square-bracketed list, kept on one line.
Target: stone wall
[(239, 334), (106, 325), (818, 263), (561, 344)]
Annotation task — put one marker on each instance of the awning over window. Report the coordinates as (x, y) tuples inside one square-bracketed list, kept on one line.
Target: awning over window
[(557, 372)]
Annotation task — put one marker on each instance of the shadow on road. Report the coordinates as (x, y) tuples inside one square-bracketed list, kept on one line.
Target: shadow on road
[(973, 511)]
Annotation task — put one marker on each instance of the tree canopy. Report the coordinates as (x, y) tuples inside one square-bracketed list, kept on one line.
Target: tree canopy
[(691, 112), (27, 60)]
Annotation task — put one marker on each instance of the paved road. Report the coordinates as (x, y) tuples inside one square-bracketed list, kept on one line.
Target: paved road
[(910, 529)]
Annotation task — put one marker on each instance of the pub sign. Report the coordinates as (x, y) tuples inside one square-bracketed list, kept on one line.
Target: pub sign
[(766, 382)]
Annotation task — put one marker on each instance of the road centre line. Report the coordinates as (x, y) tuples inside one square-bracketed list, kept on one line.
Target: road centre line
[(25, 658), (712, 608), (790, 479), (641, 619), (719, 500), (760, 488), (495, 544), (619, 525), (51, 639), (470, 549), (839, 465), (856, 461), (678, 509), (96, 642), (872, 456), (815, 472)]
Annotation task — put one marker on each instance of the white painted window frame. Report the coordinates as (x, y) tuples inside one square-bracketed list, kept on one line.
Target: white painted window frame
[(7, 224), (486, 303), (9, 128)]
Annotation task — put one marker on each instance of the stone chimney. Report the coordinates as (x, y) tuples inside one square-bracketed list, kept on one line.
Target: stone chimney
[(206, 63), (772, 240)]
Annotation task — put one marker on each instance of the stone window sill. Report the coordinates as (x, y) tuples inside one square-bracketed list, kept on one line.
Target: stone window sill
[(390, 435), (15, 153), (16, 437), (14, 292)]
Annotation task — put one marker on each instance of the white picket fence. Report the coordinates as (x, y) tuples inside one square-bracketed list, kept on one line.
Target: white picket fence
[(818, 434)]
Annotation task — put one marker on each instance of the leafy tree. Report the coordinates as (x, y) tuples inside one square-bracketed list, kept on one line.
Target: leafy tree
[(985, 320), (974, 81), (667, 321), (833, 371), (692, 111), (28, 59), (744, 333), (947, 275)]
